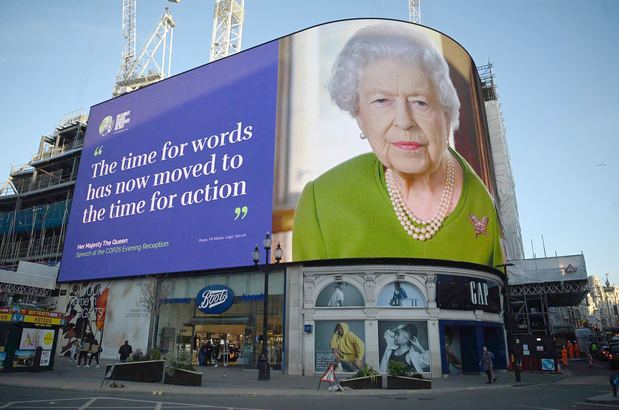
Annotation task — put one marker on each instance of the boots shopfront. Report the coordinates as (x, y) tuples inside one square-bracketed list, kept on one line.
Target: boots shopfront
[(218, 318)]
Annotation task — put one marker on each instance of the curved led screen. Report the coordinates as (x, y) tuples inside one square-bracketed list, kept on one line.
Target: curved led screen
[(358, 138)]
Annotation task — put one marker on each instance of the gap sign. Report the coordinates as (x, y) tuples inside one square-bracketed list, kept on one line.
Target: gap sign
[(214, 299)]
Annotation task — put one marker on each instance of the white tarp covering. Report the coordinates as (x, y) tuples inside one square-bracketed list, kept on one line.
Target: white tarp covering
[(31, 274), (506, 189), (553, 269)]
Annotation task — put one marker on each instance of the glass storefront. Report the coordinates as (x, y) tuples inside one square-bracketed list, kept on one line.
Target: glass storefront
[(231, 338), (462, 343)]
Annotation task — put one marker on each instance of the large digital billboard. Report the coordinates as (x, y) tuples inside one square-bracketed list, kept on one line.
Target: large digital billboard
[(358, 138)]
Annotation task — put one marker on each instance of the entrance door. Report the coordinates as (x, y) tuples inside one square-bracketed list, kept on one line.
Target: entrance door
[(493, 337), (468, 346), (222, 346)]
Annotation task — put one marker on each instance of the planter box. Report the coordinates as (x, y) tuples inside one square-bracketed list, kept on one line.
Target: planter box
[(148, 371), (184, 377), (365, 382), (407, 383)]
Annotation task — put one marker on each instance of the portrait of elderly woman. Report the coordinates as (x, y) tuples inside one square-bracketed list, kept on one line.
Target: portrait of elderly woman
[(413, 195)]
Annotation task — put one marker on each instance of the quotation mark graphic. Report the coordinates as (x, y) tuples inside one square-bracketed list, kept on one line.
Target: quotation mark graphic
[(99, 150), (238, 211)]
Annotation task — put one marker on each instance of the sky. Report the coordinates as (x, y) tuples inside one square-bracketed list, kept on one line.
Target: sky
[(555, 61)]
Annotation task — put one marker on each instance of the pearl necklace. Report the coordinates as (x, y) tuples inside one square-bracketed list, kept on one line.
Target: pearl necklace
[(416, 227)]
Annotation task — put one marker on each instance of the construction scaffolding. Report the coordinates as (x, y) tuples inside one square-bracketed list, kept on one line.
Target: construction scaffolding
[(486, 76), (531, 304), (35, 205), (536, 285), (504, 176), (27, 295)]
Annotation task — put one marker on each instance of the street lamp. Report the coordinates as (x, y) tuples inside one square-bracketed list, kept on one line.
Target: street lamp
[(508, 319), (264, 371)]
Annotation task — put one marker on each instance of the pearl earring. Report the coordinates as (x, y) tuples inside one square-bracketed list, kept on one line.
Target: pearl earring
[(362, 136)]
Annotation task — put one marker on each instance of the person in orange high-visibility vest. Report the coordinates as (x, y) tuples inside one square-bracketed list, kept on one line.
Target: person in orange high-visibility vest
[(564, 356), (576, 350), (570, 349)]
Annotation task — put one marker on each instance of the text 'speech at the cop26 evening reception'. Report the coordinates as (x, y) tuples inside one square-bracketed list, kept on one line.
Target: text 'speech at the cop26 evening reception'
[(177, 176)]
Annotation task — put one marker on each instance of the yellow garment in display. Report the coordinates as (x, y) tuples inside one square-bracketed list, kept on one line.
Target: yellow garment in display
[(349, 344)]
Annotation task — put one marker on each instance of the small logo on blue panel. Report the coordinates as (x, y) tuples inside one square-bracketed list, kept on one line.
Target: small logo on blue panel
[(106, 126), (115, 125), (214, 299)]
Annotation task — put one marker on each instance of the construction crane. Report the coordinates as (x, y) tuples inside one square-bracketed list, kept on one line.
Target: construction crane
[(227, 28), (414, 11), (154, 61)]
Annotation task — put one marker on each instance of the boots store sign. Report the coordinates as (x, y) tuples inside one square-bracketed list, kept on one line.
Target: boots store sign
[(214, 299), (465, 293)]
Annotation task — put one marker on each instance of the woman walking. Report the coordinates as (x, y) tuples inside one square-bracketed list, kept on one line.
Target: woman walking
[(487, 361)]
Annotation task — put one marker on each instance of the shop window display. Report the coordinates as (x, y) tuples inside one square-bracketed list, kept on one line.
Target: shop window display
[(339, 294), (404, 342), (453, 350), (342, 342), (400, 294), (230, 338)]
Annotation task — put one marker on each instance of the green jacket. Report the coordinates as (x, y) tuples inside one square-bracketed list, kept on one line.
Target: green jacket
[(347, 213)]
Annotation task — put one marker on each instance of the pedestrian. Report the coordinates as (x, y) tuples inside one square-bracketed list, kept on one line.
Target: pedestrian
[(564, 356), (209, 352), (487, 362), (576, 350), (74, 350), (83, 354), (570, 349), (125, 351), (590, 359), (594, 348), (95, 349), (216, 352), (202, 355)]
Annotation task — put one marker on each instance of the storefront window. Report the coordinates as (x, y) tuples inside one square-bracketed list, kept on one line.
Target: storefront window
[(400, 294), (462, 343), (404, 342), (231, 338), (340, 342), (339, 294)]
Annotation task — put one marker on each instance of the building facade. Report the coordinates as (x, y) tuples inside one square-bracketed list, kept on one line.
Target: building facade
[(506, 187), (453, 309), (34, 207), (434, 316), (601, 307)]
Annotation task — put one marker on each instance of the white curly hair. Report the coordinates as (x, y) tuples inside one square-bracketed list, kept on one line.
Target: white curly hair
[(393, 41)]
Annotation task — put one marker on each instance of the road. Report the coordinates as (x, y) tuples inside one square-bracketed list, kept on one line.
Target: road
[(570, 393), (554, 396)]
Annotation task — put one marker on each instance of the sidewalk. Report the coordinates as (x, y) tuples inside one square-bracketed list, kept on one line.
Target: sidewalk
[(232, 381)]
